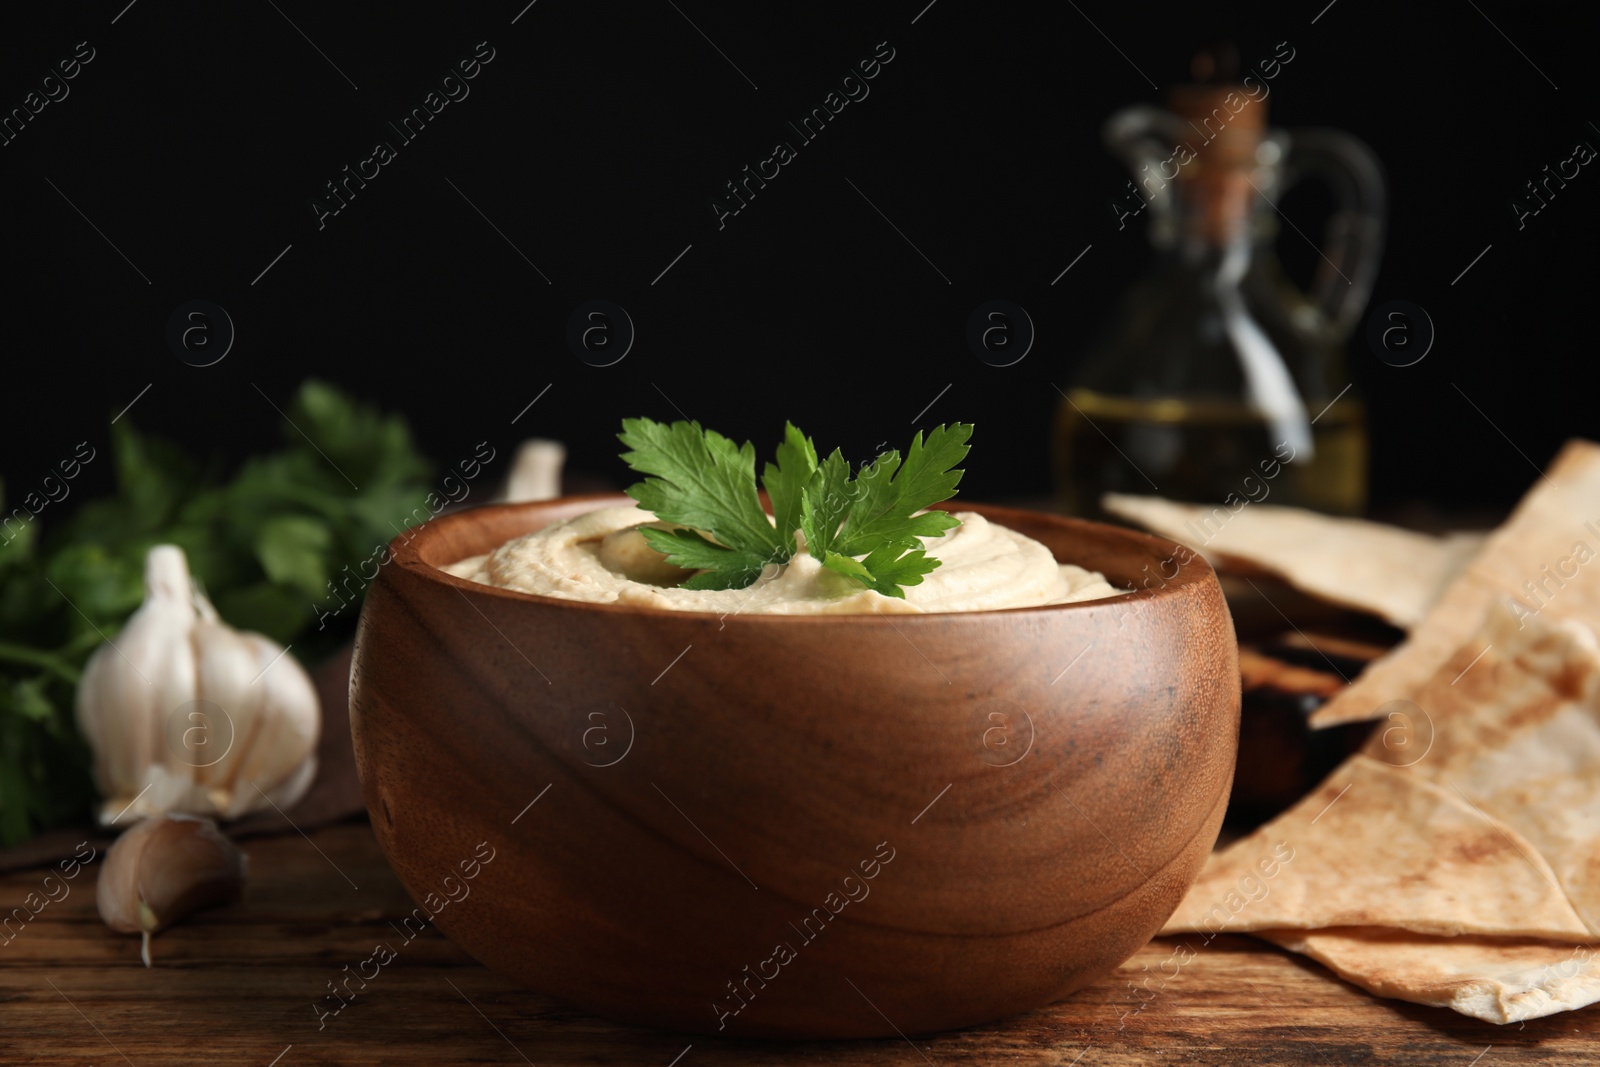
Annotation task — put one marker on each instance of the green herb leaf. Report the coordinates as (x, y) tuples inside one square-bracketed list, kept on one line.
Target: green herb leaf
[(829, 495), (891, 568), (152, 476), (266, 608), (292, 550), (370, 448), (848, 566), (29, 700), (889, 493), (702, 480), (867, 528), (785, 482), (879, 509), (723, 568)]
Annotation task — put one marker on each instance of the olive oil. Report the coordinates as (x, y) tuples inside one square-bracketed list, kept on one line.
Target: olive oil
[(1205, 452)]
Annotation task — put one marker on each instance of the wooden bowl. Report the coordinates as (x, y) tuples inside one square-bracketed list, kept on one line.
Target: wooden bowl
[(795, 826)]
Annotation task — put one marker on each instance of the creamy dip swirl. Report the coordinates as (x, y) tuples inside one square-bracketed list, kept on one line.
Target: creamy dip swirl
[(600, 557)]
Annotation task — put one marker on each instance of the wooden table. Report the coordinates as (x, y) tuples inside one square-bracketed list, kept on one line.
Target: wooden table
[(238, 986)]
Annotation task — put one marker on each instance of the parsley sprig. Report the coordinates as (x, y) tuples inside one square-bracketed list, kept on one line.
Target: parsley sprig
[(864, 524)]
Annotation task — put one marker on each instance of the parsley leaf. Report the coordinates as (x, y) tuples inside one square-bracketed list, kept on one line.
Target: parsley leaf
[(891, 567), (890, 494), (700, 479), (881, 520), (720, 567), (827, 502), (867, 527), (785, 482)]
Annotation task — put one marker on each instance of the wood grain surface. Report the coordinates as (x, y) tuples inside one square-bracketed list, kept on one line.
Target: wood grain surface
[(240, 986)]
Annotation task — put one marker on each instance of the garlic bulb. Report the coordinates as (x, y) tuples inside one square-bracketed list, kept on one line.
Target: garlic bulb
[(186, 714), (162, 870)]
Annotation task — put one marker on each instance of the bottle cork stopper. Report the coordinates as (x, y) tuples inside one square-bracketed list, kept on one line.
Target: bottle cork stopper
[(1228, 125)]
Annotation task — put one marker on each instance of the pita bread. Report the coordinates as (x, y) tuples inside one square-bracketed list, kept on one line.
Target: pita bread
[(1333, 645), (1539, 557), (1382, 878), (1259, 671), (1515, 732), (1376, 846), (1383, 570), (1497, 980)]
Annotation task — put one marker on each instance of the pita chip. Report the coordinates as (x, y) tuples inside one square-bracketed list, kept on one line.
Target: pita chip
[(1499, 980), (1383, 570), (1376, 846), (1539, 561)]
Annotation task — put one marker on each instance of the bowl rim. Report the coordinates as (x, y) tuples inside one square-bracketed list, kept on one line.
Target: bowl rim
[(407, 552)]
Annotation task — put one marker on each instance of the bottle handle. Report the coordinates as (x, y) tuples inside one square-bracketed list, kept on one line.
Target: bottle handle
[(1353, 241), (1142, 136)]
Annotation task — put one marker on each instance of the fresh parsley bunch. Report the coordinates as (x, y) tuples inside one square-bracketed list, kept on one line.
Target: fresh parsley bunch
[(701, 480), (265, 541)]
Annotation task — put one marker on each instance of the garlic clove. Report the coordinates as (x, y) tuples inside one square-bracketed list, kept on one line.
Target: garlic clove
[(290, 792), (227, 667), (164, 790), (536, 472), (283, 752), (129, 683), (164, 869)]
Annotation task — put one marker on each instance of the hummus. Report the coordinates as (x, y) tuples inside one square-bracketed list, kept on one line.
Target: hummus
[(601, 557)]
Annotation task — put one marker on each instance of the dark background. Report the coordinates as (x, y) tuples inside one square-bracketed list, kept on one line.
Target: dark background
[(199, 134)]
